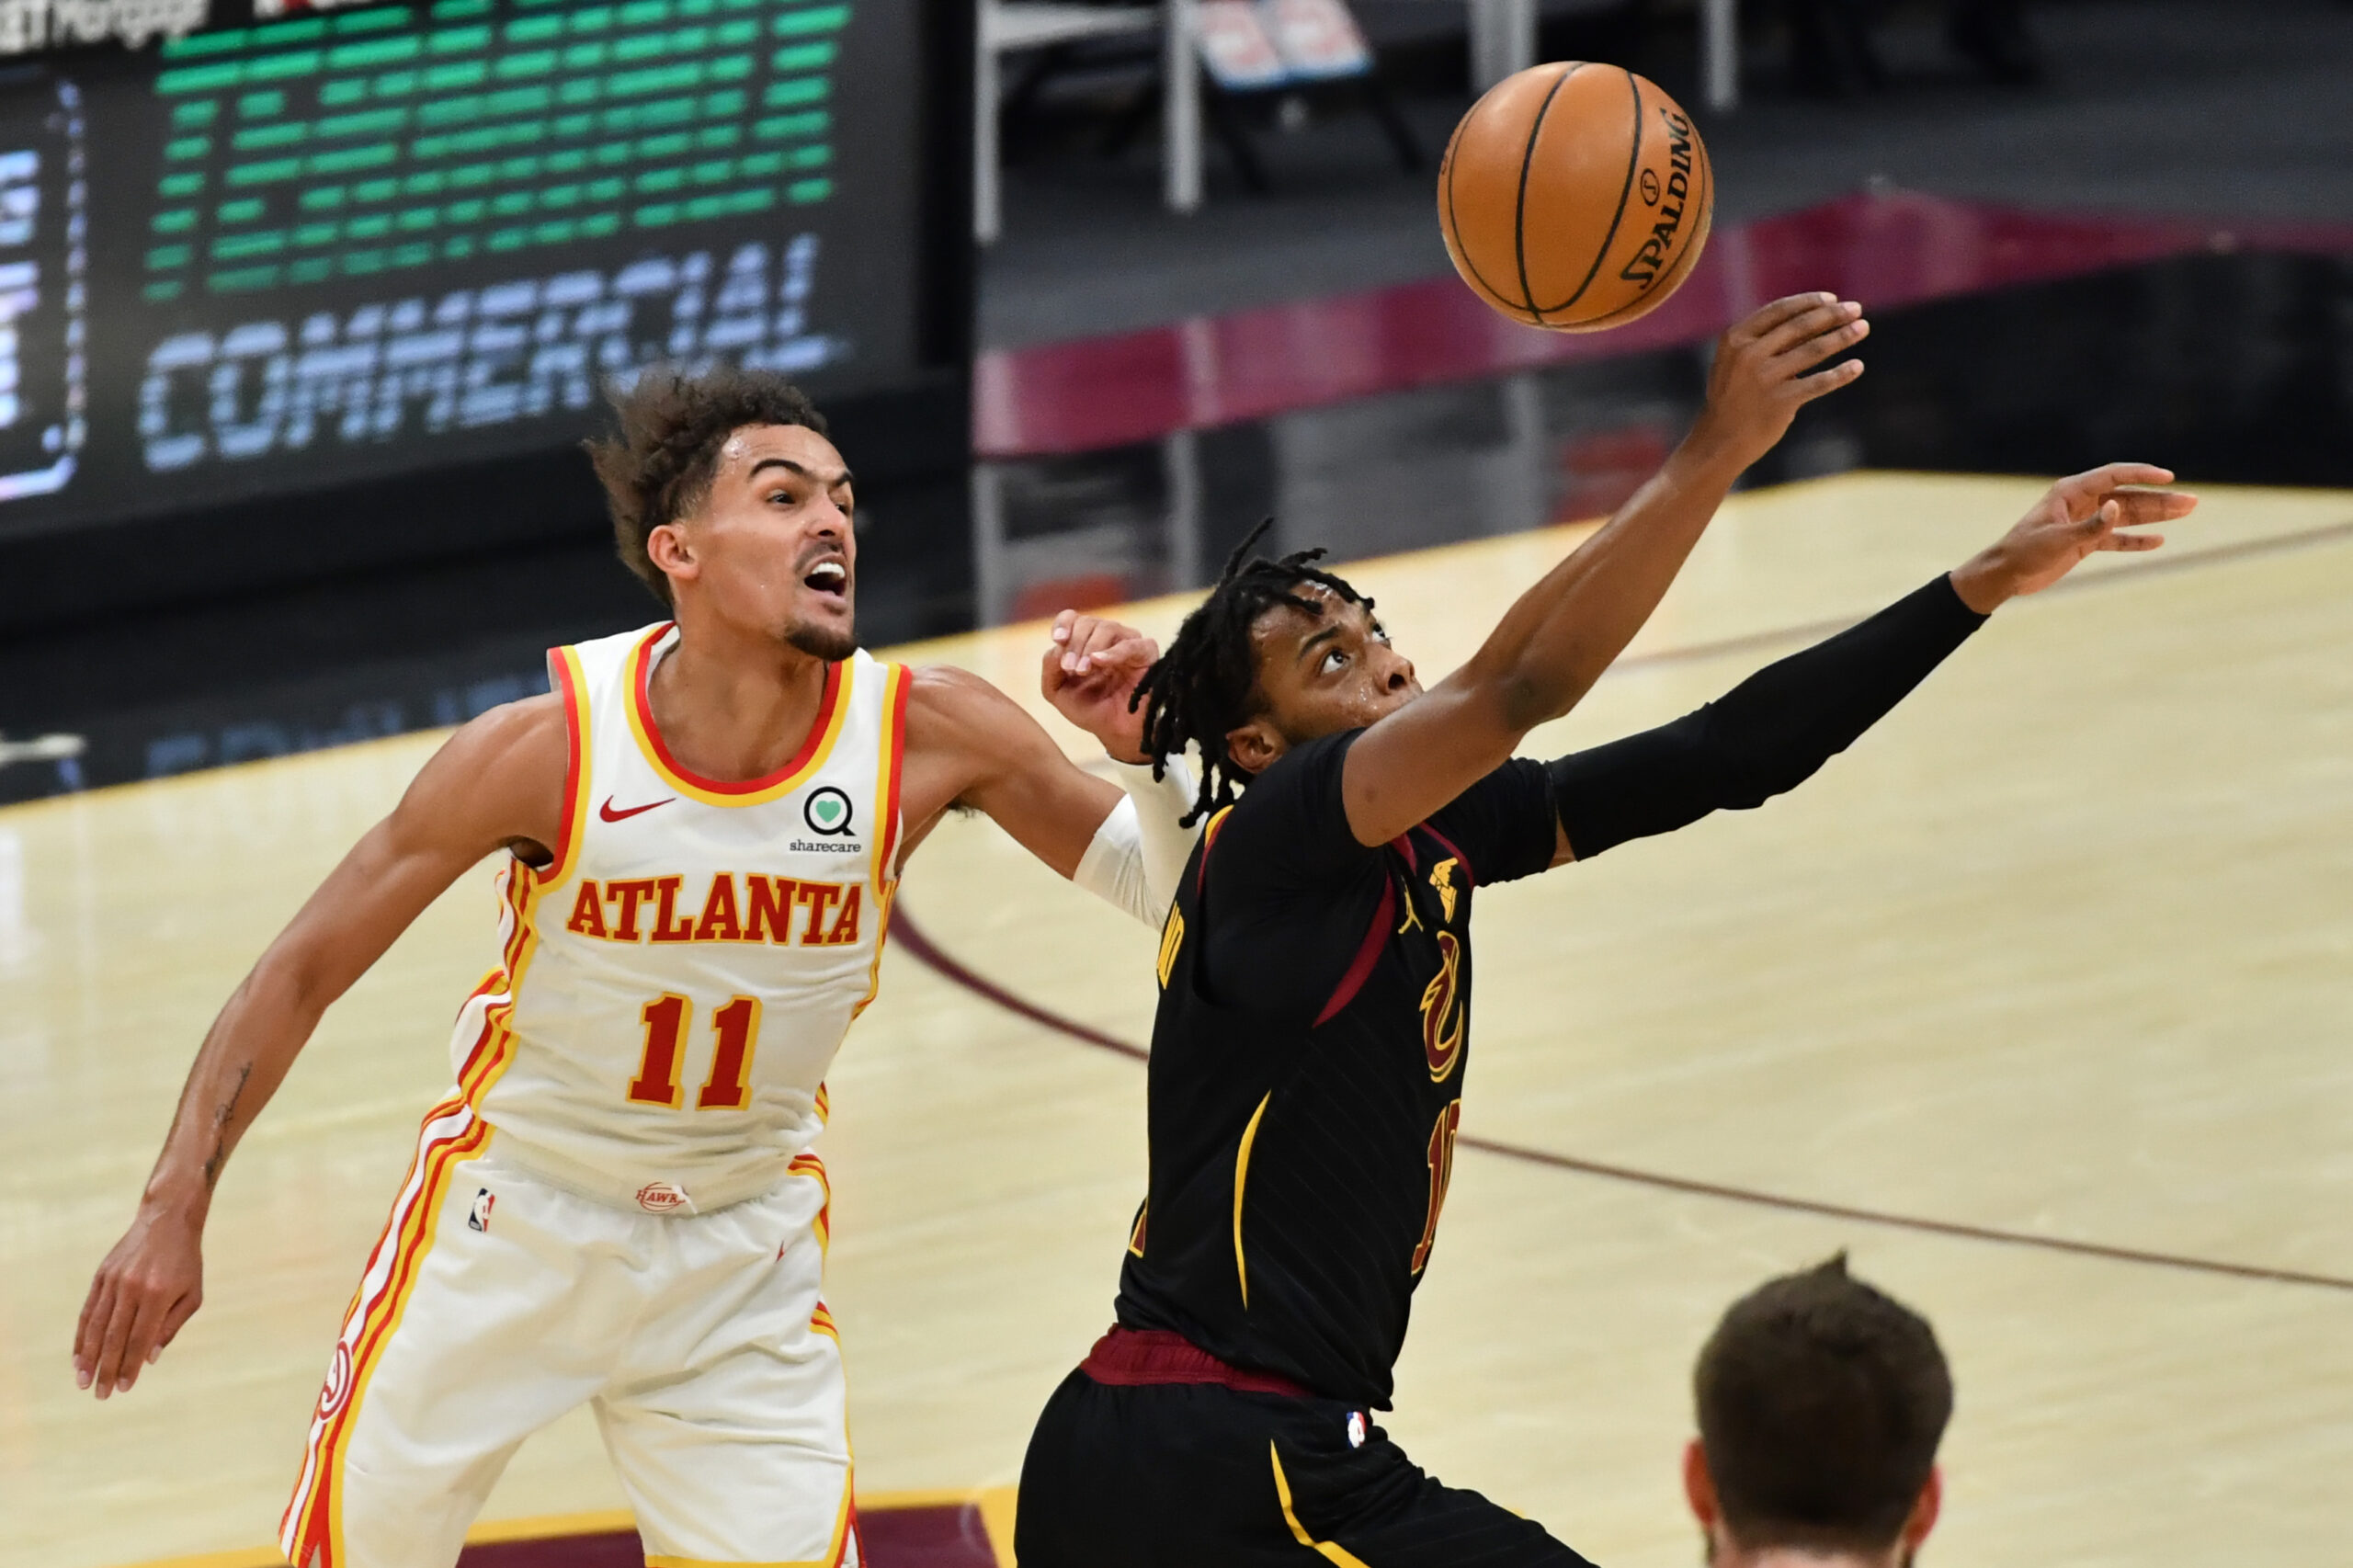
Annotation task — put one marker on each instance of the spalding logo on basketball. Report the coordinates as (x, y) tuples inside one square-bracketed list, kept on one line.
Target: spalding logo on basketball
[(338, 1384), (1576, 197)]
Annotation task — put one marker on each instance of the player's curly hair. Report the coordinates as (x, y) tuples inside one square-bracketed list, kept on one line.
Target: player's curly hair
[(1207, 683), (658, 463)]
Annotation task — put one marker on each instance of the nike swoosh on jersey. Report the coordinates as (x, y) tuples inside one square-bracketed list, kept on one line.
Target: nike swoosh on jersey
[(606, 811)]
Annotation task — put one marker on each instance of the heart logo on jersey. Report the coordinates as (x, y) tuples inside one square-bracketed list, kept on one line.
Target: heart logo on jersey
[(827, 810)]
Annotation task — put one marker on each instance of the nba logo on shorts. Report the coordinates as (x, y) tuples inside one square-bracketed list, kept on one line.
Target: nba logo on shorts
[(1356, 1428), (478, 1218)]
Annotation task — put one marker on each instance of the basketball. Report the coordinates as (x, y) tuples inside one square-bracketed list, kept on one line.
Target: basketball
[(1574, 196)]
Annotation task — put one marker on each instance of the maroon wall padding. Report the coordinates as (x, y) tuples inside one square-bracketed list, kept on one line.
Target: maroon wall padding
[(951, 1537)]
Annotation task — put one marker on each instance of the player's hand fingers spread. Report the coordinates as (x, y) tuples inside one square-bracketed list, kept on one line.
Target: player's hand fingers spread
[(2155, 506), (2110, 475), (1807, 353), (1822, 383), (2100, 519), (1807, 325), (2080, 488), (1767, 317)]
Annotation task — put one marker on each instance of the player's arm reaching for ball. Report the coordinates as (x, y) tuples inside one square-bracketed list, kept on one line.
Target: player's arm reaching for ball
[(1776, 728), (1553, 644), (496, 784)]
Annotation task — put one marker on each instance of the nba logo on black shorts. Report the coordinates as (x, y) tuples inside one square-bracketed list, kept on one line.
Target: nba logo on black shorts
[(478, 1218)]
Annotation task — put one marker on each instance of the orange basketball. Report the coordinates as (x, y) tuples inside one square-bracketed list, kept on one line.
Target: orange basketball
[(1574, 196)]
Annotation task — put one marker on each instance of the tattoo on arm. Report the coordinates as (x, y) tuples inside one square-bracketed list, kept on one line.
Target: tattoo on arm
[(213, 1161)]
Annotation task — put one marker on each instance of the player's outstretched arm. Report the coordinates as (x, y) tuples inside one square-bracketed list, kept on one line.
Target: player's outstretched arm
[(498, 783), (1776, 728), (970, 745), (1554, 643)]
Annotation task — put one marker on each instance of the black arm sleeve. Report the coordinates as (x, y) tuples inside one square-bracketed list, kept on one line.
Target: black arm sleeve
[(1766, 737)]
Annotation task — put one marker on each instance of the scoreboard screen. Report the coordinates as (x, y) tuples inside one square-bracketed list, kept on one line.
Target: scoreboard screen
[(278, 248)]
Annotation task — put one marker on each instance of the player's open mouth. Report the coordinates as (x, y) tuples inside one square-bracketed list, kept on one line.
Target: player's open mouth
[(828, 577)]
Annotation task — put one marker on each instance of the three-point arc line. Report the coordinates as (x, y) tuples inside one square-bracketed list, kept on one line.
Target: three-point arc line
[(924, 950)]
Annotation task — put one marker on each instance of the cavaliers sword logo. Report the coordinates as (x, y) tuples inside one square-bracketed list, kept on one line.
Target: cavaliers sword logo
[(1442, 1010)]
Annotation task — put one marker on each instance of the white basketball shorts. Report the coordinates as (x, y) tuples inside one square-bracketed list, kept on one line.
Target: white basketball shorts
[(496, 1302)]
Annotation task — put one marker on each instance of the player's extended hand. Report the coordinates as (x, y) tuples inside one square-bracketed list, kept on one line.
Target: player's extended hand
[(1090, 670), (150, 1284), (1759, 379), (2077, 519)]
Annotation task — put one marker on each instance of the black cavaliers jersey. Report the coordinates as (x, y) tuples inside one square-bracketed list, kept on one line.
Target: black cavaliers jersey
[(1307, 1068)]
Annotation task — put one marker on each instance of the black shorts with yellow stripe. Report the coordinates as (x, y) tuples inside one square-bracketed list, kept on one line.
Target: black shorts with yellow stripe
[(1199, 1475)]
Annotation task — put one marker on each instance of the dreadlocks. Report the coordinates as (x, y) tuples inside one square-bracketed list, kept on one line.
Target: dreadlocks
[(1207, 683)]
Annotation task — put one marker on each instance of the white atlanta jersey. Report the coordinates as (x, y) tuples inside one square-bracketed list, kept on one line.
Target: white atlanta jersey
[(678, 979)]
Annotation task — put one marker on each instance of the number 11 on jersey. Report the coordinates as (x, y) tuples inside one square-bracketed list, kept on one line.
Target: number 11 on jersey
[(737, 1028)]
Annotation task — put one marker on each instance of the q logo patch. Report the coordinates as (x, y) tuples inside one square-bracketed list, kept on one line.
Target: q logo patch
[(827, 812)]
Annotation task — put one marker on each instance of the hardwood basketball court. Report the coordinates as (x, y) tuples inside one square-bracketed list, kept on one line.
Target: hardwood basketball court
[(2059, 959)]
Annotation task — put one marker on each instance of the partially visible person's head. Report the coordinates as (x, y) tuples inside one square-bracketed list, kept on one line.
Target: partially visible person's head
[(1281, 653), (728, 502), (1821, 1405)]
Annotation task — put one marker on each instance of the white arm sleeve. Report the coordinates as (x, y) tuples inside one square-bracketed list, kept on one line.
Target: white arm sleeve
[(1140, 851)]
